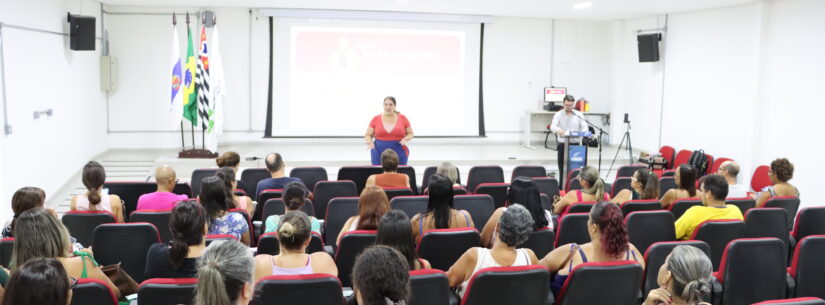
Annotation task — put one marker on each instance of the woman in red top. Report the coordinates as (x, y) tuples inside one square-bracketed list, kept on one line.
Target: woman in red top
[(391, 130)]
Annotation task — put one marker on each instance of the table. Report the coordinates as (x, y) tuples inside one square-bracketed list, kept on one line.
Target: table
[(536, 121)]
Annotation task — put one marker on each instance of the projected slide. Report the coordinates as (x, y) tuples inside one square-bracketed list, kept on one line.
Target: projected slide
[(330, 80)]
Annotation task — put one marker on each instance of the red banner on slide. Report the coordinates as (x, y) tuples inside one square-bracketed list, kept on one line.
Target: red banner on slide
[(384, 53)]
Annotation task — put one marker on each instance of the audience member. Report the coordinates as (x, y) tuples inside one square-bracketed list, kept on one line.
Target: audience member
[(450, 171), (217, 204), (395, 231), (225, 274), (295, 194), (381, 277), (41, 281), (276, 167), (513, 230), (372, 204), (163, 198), (609, 242), (713, 189), (684, 278), (644, 185), (294, 237), (239, 202), (38, 234), (188, 226), (592, 190), (390, 178), (685, 178), (524, 192), (729, 170), (94, 199), (233, 160), (24, 199), (781, 172), (440, 213)]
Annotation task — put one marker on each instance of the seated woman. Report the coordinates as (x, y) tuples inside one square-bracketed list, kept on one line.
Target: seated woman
[(450, 171), (395, 231), (524, 192), (685, 178), (592, 190), (41, 281), (781, 172), (295, 194), (372, 204), (440, 213), (188, 226), (513, 230), (381, 277), (644, 186), (232, 160), (38, 234), (609, 242), (684, 278), (293, 237), (390, 178), (239, 202), (217, 201), (24, 199), (225, 274), (94, 199)]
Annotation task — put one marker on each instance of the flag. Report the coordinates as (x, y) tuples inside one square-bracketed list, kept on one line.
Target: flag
[(202, 82), (190, 93), (176, 105), (218, 89)]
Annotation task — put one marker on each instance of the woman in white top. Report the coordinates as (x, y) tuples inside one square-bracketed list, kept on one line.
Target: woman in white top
[(513, 229), (94, 199), (525, 192)]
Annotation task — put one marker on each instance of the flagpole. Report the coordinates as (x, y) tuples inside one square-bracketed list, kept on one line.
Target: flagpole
[(203, 127), (182, 138)]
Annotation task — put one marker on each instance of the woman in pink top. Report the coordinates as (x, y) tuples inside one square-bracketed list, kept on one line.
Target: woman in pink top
[(94, 199), (293, 237), (391, 130)]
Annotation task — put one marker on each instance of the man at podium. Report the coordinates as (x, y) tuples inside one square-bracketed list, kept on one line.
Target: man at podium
[(563, 123)]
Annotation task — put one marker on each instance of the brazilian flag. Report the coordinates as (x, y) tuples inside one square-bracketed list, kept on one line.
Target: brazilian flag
[(190, 94)]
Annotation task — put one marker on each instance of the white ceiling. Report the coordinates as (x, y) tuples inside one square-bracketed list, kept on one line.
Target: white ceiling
[(559, 9)]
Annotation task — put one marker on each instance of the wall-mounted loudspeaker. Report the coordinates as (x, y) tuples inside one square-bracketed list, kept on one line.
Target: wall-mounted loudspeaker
[(648, 47), (81, 32)]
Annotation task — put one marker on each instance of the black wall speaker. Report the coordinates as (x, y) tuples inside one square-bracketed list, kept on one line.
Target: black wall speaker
[(81, 32), (648, 47)]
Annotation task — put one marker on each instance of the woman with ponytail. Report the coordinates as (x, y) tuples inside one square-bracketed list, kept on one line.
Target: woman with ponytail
[(225, 274), (592, 190), (215, 202), (609, 242), (294, 237), (685, 178), (24, 199), (238, 202), (295, 195), (644, 186), (684, 278), (96, 198), (440, 213), (178, 259)]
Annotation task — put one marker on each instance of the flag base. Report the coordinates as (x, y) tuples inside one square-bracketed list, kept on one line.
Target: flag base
[(197, 154)]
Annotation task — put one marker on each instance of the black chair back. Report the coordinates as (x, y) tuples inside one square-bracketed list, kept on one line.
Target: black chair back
[(655, 257), (92, 291), (640, 228), (484, 174), (640, 205), (6, 249), (480, 207), (768, 222), (125, 243), (167, 291), (808, 267), (309, 175), (429, 287), (751, 273), (666, 183), (627, 171), (276, 206), (586, 284), (523, 285), (790, 204), (620, 184), (540, 241), (82, 224), (340, 209), (496, 190), (528, 171), (410, 205), (572, 229), (197, 178), (547, 185), (352, 244), (317, 288), (744, 204), (268, 244), (159, 218), (717, 234), (809, 221), (327, 190), (250, 178), (393, 192), (680, 206), (443, 247)]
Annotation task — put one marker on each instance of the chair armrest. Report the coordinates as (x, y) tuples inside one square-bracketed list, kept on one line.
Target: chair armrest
[(551, 299), (329, 250), (790, 286), (715, 296)]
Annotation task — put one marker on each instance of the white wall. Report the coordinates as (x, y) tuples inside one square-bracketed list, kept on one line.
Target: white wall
[(43, 73)]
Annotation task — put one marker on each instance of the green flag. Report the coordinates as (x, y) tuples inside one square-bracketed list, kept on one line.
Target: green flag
[(190, 94)]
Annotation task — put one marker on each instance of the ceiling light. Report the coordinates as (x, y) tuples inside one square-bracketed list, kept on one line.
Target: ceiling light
[(583, 5)]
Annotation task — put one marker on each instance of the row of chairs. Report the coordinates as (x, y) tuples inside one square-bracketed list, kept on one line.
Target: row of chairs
[(759, 180)]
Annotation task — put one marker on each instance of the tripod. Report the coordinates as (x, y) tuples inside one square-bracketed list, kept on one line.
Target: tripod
[(628, 147)]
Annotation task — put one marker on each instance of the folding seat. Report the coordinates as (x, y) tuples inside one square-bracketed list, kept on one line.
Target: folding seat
[(586, 284), (523, 285), (496, 190), (760, 178), (809, 221), (340, 209), (309, 175), (627, 171), (443, 247), (6, 248), (197, 178), (682, 157), (717, 234), (645, 228), (669, 153), (92, 291), (790, 204), (717, 164), (480, 207), (680, 206), (547, 185), (125, 243), (159, 218), (358, 175), (215, 237), (794, 301), (393, 192), (160, 291), (431, 170), (666, 184), (578, 207), (352, 244), (540, 241), (750, 273), (768, 222), (484, 174), (327, 190), (430, 287), (276, 206), (528, 171), (317, 288), (622, 183), (268, 244), (572, 229), (410, 205), (82, 224), (808, 267), (129, 192), (250, 178), (640, 205), (744, 204), (655, 257)]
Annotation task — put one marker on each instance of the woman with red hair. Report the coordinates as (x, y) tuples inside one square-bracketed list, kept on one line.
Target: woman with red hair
[(372, 205), (609, 242)]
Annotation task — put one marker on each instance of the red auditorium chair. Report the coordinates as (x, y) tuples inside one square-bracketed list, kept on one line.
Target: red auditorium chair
[(682, 158), (809, 221), (304, 289), (750, 273), (572, 229), (430, 287), (250, 178), (340, 209), (523, 285), (496, 190), (578, 207), (718, 163), (640, 205), (309, 175), (760, 178), (794, 301), (620, 184), (480, 207), (790, 204), (352, 244), (666, 184), (164, 291), (484, 174), (197, 178), (325, 191), (669, 153), (744, 203), (443, 247), (268, 244), (159, 218), (627, 171), (655, 257), (717, 234), (547, 185), (263, 197), (571, 177), (528, 171), (92, 291), (410, 205), (393, 192), (275, 206), (680, 206), (82, 224), (808, 267), (640, 228), (125, 243), (586, 284), (540, 241), (709, 166), (768, 222)]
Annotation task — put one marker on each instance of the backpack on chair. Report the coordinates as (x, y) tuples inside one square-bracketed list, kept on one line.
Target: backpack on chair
[(699, 161)]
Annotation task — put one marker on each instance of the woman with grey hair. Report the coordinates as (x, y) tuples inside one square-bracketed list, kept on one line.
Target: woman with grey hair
[(225, 274), (512, 230), (683, 279), (448, 169)]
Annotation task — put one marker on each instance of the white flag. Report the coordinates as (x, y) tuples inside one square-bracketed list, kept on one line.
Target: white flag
[(218, 87), (176, 104)]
